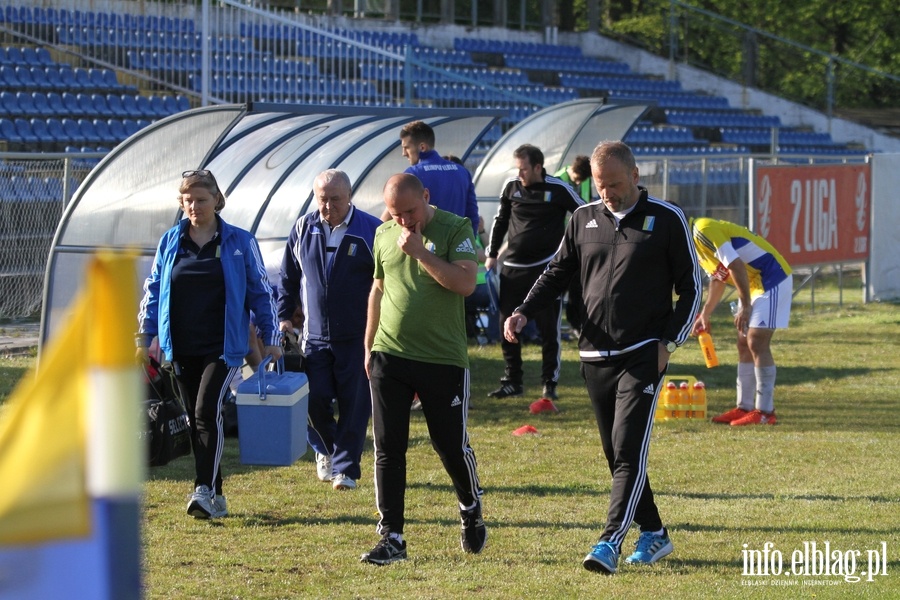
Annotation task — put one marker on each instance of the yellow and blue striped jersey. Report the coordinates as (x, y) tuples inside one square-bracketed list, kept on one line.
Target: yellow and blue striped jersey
[(718, 243)]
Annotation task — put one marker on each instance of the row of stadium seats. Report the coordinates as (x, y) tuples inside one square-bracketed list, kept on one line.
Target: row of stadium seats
[(467, 92), (228, 85), (135, 106), (636, 84), (60, 77), (698, 150), (54, 134), (18, 188), (136, 39), (25, 57), (263, 64), (672, 100), (16, 15), (585, 65), (786, 137), (394, 72), (540, 50), (661, 135), (720, 119)]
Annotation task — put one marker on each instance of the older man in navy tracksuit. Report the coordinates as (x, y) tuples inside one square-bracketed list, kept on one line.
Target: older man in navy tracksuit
[(327, 269)]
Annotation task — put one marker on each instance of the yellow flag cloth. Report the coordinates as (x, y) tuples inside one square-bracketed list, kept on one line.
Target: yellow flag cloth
[(43, 479)]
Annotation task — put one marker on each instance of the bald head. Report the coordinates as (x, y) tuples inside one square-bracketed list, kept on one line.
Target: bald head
[(407, 200)]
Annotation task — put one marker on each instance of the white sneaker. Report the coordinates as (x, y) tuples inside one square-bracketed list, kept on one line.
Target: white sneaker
[(323, 467), (342, 482), (200, 505), (221, 507)]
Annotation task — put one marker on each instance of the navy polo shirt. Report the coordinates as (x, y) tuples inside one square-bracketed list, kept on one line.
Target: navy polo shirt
[(197, 300)]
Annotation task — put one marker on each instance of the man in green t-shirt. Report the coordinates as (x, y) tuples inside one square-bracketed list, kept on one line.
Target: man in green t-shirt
[(425, 266)]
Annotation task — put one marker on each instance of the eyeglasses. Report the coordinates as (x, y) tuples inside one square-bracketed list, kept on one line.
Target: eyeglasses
[(202, 173), (198, 173)]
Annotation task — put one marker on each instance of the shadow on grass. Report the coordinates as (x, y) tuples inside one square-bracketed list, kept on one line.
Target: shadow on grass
[(779, 497), (539, 491), (818, 530)]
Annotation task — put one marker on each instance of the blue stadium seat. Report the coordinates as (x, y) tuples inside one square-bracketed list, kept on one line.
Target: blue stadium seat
[(43, 56), (41, 105), (129, 101), (39, 77), (55, 102), (9, 105), (54, 79), (23, 74), (30, 57), (70, 101), (39, 128), (144, 105), (101, 108), (73, 131), (96, 78), (85, 105), (82, 78), (67, 76), (88, 133), (8, 131), (171, 105), (117, 130), (159, 107), (130, 126), (26, 103), (14, 56), (103, 132), (25, 131), (116, 108), (8, 78), (183, 103), (54, 126)]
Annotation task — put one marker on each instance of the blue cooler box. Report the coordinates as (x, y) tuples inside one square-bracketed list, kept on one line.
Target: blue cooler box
[(272, 417)]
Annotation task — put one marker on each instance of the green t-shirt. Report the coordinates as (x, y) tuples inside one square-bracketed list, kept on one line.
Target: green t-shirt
[(420, 319)]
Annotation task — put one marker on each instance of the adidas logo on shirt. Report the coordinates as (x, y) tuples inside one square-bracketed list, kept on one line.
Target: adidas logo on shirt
[(649, 389), (466, 247), (237, 252), (456, 401), (592, 224)]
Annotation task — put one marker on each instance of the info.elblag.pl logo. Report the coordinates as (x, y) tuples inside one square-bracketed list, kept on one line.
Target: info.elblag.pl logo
[(825, 564)]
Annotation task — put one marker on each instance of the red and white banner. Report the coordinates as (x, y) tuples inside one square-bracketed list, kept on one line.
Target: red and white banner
[(814, 214)]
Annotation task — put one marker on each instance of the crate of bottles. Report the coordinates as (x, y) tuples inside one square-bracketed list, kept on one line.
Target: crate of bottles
[(681, 397)]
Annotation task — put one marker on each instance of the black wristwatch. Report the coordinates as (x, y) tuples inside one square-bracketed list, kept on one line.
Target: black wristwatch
[(670, 346)]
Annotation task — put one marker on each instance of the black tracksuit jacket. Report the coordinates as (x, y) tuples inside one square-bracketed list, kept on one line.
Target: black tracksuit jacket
[(629, 273)]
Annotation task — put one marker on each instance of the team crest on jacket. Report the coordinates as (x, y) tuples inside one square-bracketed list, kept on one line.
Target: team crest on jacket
[(351, 251), (648, 223)]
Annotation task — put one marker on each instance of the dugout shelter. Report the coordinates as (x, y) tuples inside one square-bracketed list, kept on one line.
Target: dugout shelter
[(265, 158)]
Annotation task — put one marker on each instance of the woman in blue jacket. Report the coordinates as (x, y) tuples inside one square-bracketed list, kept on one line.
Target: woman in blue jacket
[(207, 276)]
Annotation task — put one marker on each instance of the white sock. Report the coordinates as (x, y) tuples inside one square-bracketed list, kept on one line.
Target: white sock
[(396, 536), (746, 386), (765, 389), (461, 507)]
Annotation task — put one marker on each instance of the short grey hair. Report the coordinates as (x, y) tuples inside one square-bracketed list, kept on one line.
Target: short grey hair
[(613, 149)]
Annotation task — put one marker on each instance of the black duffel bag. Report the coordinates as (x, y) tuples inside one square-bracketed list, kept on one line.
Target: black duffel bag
[(168, 423)]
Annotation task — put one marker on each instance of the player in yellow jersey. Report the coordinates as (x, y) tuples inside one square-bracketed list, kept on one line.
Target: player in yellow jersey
[(732, 255)]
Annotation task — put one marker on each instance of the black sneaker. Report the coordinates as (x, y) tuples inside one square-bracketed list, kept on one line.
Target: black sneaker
[(473, 536), (386, 551), (550, 390), (506, 390)]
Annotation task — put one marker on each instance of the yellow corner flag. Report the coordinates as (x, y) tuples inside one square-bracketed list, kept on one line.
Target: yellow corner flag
[(43, 457)]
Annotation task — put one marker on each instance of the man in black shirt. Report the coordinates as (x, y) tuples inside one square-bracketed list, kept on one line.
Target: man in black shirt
[(633, 253), (532, 218)]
